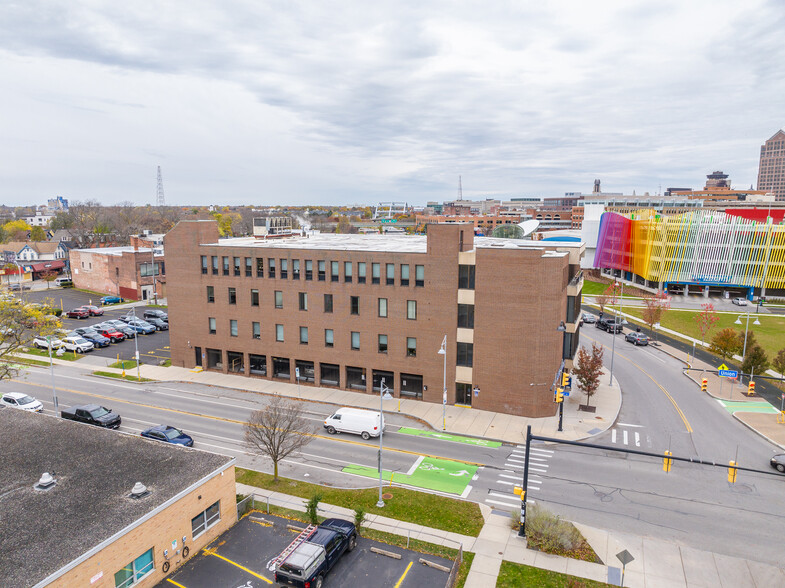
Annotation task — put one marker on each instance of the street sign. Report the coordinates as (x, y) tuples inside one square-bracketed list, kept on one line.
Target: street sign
[(625, 557), (728, 374), (722, 367)]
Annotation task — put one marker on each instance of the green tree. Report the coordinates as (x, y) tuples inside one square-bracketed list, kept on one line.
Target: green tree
[(725, 343), (755, 362), (16, 230), (778, 363), (19, 323), (37, 234), (588, 369)]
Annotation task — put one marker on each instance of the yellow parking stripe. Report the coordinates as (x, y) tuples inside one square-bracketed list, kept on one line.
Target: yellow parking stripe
[(175, 583), (398, 585), (243, 568)]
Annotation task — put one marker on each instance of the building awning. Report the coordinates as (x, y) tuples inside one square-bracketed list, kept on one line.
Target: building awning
[(47, 265)]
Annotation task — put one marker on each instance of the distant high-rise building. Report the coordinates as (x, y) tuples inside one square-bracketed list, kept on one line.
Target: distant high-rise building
[(771, 171)]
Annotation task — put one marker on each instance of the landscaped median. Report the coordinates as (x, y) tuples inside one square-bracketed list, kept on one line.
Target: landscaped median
[(513, 574), (117, 376)]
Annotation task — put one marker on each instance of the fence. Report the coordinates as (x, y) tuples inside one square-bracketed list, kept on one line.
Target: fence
[(456, 565)]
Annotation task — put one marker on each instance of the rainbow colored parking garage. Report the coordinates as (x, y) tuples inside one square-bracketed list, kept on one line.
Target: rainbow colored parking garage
[(709, 249)]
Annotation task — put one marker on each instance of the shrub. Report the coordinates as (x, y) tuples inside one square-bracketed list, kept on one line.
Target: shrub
[(515, 519), (312, 508), (359, 518), (547, 532)]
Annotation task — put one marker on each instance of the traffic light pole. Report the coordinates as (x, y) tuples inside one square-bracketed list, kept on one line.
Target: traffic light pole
[(561, 415), (522, 529)]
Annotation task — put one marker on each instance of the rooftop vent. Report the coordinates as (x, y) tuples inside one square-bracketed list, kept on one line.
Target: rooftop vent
[(139, 491), (47, 482)]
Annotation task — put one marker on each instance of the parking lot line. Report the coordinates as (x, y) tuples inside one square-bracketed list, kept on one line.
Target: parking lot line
[(243, 568), (398, 585), (175, 583)]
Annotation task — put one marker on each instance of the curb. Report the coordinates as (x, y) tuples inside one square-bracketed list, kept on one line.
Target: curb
[(754, 430)]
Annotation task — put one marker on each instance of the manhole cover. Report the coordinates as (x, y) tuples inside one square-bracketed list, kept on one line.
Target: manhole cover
[(387, 496)]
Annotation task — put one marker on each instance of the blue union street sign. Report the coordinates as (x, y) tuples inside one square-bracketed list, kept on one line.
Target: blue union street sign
[(728, 373)]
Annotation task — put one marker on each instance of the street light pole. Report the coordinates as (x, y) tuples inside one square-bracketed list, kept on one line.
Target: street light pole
[(443, 352), (136, 345), (746, 329), (52, 371), (383, 393), (613, 347)]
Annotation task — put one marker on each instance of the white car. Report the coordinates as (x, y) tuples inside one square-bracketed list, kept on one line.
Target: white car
[(740, 301), (42, 343), (78, 344), (21, 401)]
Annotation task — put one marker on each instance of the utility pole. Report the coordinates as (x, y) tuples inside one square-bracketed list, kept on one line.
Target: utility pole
[(159, 196)]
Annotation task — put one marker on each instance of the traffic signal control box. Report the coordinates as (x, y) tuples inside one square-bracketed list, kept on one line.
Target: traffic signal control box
[(704, 385)]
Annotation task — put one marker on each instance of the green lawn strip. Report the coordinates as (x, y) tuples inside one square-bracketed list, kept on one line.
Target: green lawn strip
[(127, 364), (68, 355), (156, 306), (513, 574), (409, 505), (167, 363), (22, 362), (442, 475), (120, 377), (596, 288), (449, 437)]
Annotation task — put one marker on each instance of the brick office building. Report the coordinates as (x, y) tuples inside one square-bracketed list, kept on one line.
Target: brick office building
[(349, 310)]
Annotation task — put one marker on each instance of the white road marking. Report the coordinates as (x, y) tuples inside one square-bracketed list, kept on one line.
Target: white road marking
[(537, 450), (629, 425), (507, 496), (514, 460), (625, 437), (506, 483), (613, 435), (416, 464), (509, 477), (533, 481), (466, 491), (507, 504), (537, 459), (531, 469), (637, 439)]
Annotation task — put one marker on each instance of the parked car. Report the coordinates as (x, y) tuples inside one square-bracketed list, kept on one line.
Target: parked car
[(365, 423), (92, 414), (17, 287), (155, 313), (778, 462), (168, 434), (64, 282), (160, 325), (43, 343), (111, 300), (78, 313), (96, 338), (93, 310), (610, 325), (637, 338), (588, 318), (129, 332), (142, 326), (21, 401), (740, 301), (78, 344), (315, 553), (110, 333)]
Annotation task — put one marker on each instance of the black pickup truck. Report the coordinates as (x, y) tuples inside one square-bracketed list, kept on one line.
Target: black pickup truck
[(92, 414), (308, 564)]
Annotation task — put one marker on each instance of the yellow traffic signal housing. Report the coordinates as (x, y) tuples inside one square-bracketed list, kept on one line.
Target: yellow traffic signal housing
[(732, 472), (704, 385), (565, 379), (751, 389), (559, 395), (667, 462)]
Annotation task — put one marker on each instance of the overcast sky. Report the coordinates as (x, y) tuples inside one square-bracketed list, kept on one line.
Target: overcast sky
[(283, 102)]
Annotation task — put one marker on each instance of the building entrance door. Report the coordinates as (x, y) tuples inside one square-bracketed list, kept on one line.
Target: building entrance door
[(463, 394), (147, 292)]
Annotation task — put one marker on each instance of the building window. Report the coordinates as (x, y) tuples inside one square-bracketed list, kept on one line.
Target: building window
[(404, 274), (354, 303), (259, 267), (361, 272), (411, 346), (204, 520), (278, 299), (333, 271), (308, 269), (347, 271), (204, 264), (214, 260), (390, 274), (284, 268), (147, 270), (270, 267), (375, 273), (320, 268), (256, 330), (232, 296), (248, 267), (303, 296), (466, 316), (257, 364), (237, 270), (133, 572), (328, 303), (279, 332), (304, 335), (466, 277), (214, 359), (382, 343), (355, 340), (383, 307), (254, 297), (465, 354), (233, 328), (329, 340), (225, 261), (295, 269), (411, 310), (211, 325), (210, 294)]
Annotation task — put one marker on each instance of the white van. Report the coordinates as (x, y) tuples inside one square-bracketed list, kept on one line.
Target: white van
[(354, 420)]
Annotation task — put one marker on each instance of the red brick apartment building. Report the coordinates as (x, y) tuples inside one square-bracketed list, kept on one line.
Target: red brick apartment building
[(350, 310)]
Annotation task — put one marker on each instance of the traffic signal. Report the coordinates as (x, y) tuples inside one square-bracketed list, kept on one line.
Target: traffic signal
[(667, 462), (732, 472), (704, 385), (566, 380), (751, 389), (559, 397)]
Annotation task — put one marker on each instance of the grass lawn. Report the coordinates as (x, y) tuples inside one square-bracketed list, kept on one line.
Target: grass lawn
[(68, 355), (120, 377), (128, 363), (513, 574), (769, 334), (416, 507), (596, 288), (27, 361)]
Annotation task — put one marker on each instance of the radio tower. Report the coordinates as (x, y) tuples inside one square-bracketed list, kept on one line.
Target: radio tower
[(460, 189), (160, 193)]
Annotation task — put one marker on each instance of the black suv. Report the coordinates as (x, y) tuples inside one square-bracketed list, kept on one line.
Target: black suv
[(610, 325), (155, 313)]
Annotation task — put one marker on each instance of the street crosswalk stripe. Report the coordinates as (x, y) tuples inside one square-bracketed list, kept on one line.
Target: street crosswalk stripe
[(548, 451), (613, 436), (531, 469), (503, 503), (534, 481), (637, 439), (516, 460), (510, 477), (505, 483), (625, 436), (507, 496), (537, 458)]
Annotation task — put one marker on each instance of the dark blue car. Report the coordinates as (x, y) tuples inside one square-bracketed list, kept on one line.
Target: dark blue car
[(94, 337), (168, 434)]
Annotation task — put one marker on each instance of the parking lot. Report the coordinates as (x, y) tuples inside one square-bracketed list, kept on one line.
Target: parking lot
[(239, 559), (153, 348)]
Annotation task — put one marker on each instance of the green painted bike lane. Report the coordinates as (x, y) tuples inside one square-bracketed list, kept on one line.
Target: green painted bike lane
[(741, 406), (449, 437), (442, 475)]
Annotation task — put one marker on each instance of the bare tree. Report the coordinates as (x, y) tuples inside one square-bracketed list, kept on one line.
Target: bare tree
[(706, 320), (277, 431)]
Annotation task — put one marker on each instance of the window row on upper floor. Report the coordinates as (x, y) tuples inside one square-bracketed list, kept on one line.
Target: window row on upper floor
[(283, 267)]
